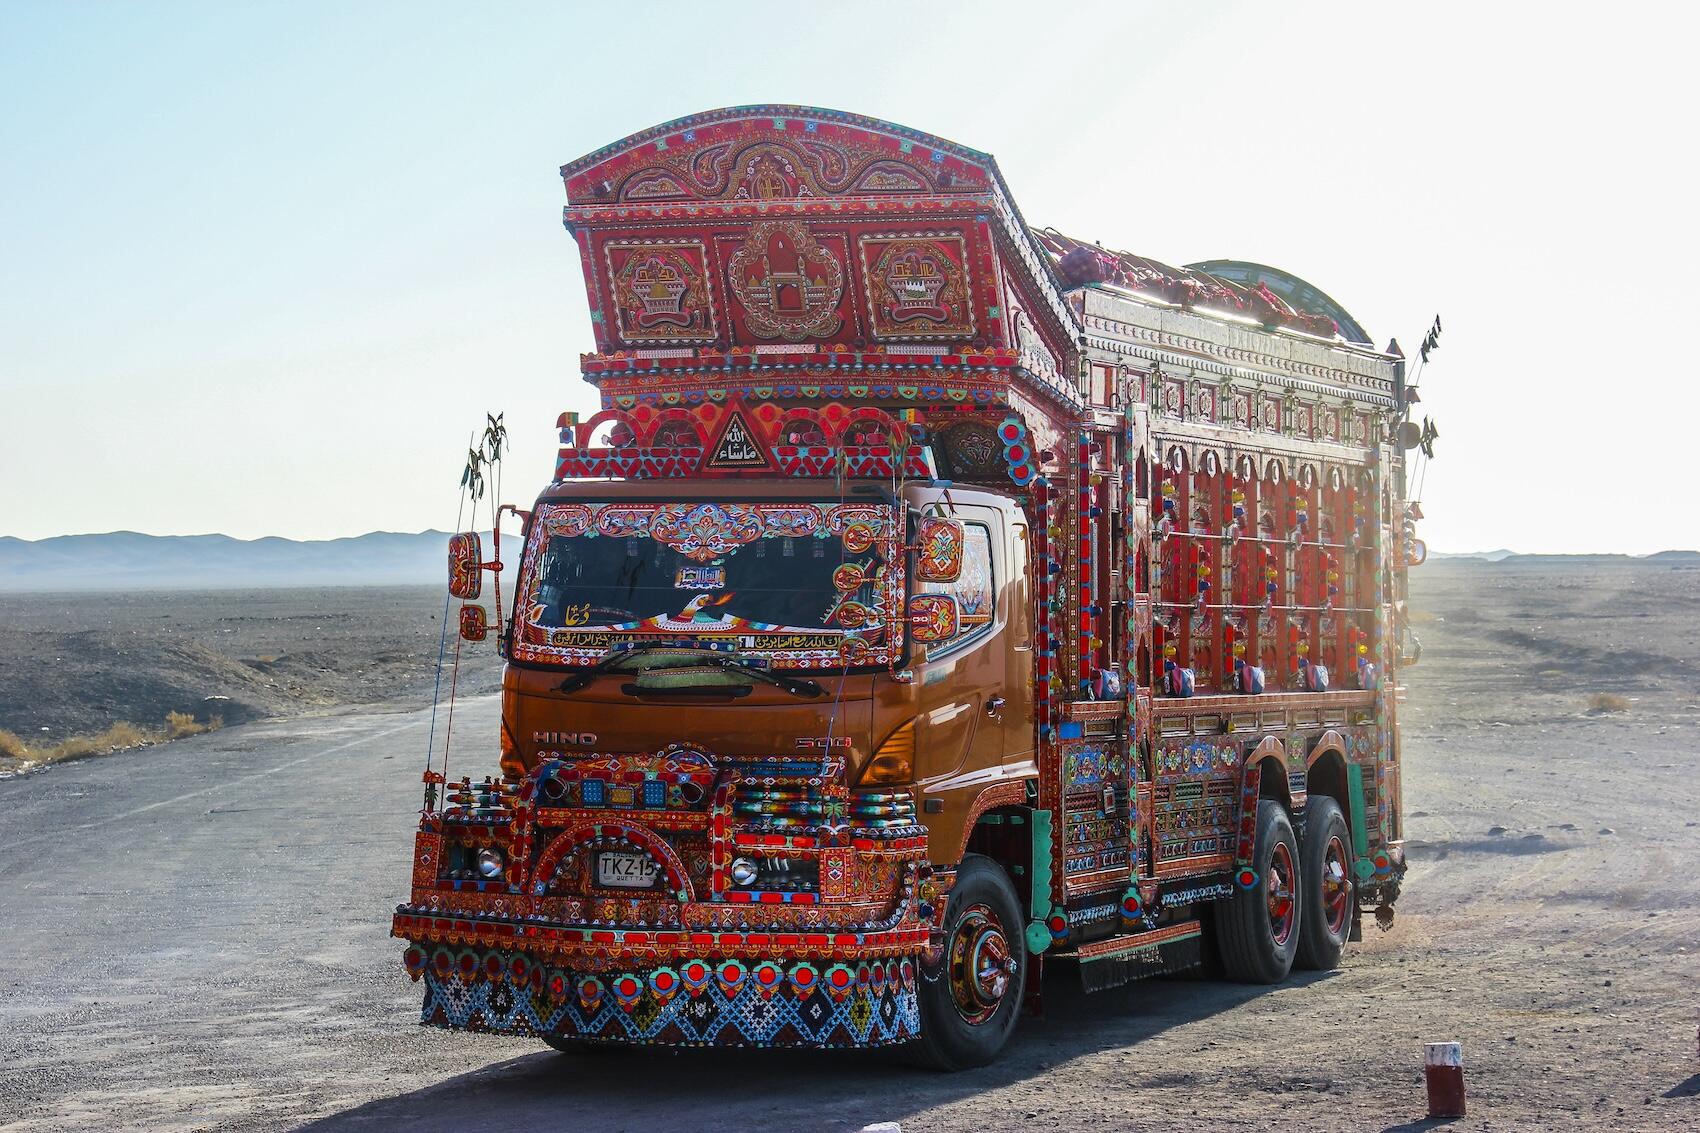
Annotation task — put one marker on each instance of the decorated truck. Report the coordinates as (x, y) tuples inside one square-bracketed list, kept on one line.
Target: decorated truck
[(932, 600)]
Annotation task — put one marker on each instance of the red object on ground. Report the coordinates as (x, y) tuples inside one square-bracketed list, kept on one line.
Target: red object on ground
[(1443, 1067)]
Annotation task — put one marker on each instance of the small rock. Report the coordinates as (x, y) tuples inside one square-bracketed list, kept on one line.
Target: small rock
[(1609, 830), (1496, 831)]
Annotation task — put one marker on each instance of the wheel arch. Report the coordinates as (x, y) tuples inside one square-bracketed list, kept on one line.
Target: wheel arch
[(1325, 772), (1270, 757), (1017, 838)]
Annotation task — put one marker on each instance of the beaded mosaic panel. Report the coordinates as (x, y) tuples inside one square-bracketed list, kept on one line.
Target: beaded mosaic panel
[(1095, 836), (697, 1003), (1195, 804)]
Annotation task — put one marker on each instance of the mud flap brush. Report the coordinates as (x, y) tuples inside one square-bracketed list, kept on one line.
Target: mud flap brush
[(1106, 964)]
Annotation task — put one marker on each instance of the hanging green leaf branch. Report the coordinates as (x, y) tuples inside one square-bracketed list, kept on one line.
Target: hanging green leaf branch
[(472, 479)]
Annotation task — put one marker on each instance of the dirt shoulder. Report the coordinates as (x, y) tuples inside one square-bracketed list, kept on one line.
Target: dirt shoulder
[(79, 664)]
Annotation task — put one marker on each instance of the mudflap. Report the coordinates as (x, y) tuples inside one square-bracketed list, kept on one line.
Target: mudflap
[(1033, 997), (1106, 964)]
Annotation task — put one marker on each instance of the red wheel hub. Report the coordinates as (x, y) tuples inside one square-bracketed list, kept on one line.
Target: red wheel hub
[(1280, 884), (1336, 886)]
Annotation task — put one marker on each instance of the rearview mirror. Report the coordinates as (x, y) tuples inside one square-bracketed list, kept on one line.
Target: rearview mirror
[(473, 624), (938, 549), (933, 617), (466, 565)]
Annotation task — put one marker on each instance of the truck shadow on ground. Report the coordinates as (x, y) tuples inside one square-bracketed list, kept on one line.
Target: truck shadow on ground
[(1686, 1089), (779, 1090)]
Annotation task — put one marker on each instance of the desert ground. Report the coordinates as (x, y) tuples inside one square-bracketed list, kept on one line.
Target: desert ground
[(194, 934), (78, 663)]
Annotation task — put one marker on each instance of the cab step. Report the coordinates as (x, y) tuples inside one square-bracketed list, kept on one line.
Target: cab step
[(1117, 960)]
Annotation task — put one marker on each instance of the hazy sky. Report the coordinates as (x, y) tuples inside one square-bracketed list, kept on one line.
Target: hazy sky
[(264, 266)]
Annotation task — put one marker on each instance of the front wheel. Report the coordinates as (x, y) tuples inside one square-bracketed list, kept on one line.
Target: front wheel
[(970, 1003), (1326, 868), (1258, 929)]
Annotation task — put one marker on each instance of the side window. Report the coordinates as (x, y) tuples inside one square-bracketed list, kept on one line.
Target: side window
[(975, 590)]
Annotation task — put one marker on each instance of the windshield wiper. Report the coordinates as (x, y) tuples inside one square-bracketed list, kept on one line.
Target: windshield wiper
[(796, 686), (579, 679)]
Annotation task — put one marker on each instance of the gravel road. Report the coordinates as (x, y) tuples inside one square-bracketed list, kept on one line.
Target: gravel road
[(194, 935)]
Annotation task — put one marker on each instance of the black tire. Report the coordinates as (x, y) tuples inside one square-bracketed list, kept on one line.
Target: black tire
[(1325, 867), (1253, 951), (959, 1035)]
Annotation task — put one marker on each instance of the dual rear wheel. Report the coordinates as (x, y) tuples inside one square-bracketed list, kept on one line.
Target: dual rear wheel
[(1300, 910)]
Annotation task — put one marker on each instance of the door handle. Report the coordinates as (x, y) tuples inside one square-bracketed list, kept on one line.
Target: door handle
[(994, 705)]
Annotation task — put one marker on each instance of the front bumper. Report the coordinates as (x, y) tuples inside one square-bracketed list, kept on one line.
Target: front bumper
[(698, 1002), (546, 949)]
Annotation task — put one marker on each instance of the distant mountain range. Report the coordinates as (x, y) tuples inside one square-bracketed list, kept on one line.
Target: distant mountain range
[(126, 560), (1489, 556), (1673, 558)]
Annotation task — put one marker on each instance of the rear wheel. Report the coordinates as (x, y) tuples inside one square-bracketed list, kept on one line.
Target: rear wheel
[(970, 1004), (1258, 928), (1326, 869)]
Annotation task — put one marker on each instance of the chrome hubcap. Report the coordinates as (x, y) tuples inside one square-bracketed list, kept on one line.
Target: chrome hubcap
[(981, 965)]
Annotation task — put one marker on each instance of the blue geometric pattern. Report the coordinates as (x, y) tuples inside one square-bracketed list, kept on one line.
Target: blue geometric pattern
[(706, 1016)]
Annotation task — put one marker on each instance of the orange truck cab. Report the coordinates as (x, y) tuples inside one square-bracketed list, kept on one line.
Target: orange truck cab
[(930, 597)]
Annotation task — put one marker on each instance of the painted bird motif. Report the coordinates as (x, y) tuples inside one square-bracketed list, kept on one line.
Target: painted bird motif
[(698, 608)]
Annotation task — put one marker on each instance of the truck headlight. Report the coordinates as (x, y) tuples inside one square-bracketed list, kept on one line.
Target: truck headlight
[(894, 762), (744, 871), (489, 864)]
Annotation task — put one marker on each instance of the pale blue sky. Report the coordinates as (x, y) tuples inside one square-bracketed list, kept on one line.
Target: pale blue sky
[(263, 266)]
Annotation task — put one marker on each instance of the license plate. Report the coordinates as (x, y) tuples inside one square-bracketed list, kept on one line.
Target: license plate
[(626, 871)]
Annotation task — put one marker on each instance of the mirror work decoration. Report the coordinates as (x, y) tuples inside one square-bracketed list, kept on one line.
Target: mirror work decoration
[(466, 566), (938, 549)]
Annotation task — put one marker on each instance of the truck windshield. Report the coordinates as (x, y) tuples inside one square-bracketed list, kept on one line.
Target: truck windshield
[(803, 585)]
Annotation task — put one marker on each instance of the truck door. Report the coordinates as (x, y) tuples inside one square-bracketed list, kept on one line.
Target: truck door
[(967, 705)]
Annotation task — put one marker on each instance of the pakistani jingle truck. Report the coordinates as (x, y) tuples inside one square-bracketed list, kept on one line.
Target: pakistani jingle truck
[(931, 600)]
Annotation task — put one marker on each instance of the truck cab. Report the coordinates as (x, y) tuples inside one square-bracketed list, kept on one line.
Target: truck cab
[(630, 632)]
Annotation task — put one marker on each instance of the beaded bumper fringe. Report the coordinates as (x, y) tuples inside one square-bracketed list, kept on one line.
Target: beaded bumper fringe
[(698, 1003)]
